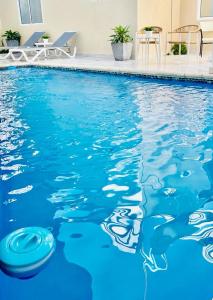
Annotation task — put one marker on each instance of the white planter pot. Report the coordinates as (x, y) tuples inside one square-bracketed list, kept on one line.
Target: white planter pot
[(122, 51), (45, 41), (148, 34)]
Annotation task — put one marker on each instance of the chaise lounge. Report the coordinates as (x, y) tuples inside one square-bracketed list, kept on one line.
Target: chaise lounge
[(29, 44), (58, 46)]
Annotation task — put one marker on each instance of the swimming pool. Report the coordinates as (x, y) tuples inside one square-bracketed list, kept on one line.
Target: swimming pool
[(120, 169)]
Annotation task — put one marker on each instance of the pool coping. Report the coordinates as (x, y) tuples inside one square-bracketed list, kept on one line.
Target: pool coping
[(127, 72)]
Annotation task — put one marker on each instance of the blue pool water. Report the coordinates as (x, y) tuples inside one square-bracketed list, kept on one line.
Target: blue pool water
[(120, 169)]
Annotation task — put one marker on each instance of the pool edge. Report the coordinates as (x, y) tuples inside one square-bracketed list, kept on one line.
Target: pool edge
[(142, 74)]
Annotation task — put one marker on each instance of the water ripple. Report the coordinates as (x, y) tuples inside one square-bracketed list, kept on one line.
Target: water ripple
[(127, 159)]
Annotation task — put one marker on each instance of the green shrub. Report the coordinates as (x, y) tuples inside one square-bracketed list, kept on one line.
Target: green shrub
[(121, 35), (148, 28), (45, 36), (4, 51), (12, 35), (175, 49)]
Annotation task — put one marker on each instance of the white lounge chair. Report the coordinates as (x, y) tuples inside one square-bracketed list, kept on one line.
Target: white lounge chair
[(29, 44), (59, 45)]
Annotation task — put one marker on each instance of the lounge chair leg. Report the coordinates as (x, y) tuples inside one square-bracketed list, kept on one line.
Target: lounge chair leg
[(26, 57), (75, 51), (37, 55), (15, 58), (67, 54), (23, 55), (6, 56)]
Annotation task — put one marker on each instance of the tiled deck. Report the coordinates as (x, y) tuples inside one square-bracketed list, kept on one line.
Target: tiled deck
[(171, 66)]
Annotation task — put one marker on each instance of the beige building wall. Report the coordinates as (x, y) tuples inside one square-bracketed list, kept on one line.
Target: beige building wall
[(158, 12), (189, 11), (188, 14), (0, 24), (92, 19)]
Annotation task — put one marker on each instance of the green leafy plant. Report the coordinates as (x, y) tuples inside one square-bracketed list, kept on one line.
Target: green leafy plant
[(4, 51), (148, 28), (45, 36), (175, 49), (121, 35), (12, 35)]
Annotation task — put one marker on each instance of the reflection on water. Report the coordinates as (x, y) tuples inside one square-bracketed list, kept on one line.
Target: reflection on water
[(123, 226), (121, 169), (176, 181), (129, 234), (177, 158)]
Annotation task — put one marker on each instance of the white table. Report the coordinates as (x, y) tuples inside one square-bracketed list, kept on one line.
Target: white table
[(144, 41), (45, 45)]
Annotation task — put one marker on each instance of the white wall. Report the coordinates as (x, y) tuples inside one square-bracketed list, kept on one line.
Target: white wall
[(93, 19)]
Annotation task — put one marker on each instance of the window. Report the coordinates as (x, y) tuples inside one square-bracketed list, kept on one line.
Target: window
[(205, 10), (30, 11)]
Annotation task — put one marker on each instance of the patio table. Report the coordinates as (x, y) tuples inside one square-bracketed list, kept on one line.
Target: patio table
[(144, 41), (45, 45)]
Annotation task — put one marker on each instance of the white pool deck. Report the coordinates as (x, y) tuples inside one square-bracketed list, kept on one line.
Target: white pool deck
[(184, 67)]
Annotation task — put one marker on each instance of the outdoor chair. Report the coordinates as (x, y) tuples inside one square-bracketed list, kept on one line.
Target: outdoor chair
[(183, 35)]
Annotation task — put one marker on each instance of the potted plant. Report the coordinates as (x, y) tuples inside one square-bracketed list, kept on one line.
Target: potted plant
[(45, 37), (121, 42), (148, 31), (179, 47), (13, 38)]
